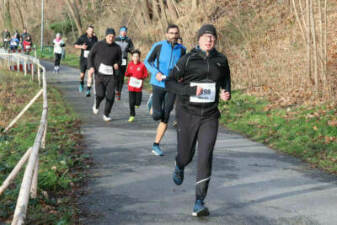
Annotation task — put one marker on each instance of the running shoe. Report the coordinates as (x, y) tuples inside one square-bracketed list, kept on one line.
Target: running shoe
[(106, 118), (131, 119), (137, 106), (156, 150), (88, 93), (80, 88), (149, 103), (94, 109), (199, 209), (178, 175)]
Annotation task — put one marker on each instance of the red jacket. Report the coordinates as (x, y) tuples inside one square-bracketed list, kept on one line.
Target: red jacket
[(136, 73)]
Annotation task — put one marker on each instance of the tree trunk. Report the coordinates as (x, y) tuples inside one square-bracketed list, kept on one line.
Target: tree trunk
[(313, 33), (163, 12), (308, 40), (298, 19), (22, 21), (6, 15), (195, 4), (74, 13), (146, 11), (172, 10)]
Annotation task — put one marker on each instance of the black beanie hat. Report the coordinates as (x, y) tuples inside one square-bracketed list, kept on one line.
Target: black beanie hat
[(207, 29), (110, 31)]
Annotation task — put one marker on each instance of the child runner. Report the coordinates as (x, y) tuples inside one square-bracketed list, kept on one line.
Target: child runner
[(136, 72)]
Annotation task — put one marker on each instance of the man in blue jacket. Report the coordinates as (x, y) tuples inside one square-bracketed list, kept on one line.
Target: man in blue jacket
[(161, 59)]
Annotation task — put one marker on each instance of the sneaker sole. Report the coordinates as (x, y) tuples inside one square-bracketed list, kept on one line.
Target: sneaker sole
[(155, 153), (204, 212)]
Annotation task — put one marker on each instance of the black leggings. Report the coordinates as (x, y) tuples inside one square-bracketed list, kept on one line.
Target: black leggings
[(120, 79), (57, 59), (135, 98), (193, 129), (105, 88), (162, 103)]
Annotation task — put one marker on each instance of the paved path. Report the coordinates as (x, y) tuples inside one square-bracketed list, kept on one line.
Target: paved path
[(251, 184)]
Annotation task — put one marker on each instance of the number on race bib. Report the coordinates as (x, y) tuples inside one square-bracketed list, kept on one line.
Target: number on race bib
[(105, 69), (134, 82), (86, 53), (207, 95)]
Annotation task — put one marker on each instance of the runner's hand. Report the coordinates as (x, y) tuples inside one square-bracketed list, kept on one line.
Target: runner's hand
[(116, 66), (224, 95), (199, 91), (84, 47), (159, 76)]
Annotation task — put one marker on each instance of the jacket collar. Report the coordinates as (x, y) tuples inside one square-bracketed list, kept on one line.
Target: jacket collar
[(202, 53)]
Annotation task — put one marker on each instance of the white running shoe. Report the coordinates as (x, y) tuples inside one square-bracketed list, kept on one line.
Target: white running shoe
[(94, 110), (106, 118)]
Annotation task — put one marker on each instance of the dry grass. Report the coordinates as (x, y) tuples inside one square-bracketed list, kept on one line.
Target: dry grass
[(15, 93)]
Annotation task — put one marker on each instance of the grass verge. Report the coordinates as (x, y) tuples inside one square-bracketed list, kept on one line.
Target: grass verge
[(61, 163), (307, 132)]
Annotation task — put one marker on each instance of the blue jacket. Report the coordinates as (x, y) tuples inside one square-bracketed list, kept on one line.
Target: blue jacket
[(162, 58)]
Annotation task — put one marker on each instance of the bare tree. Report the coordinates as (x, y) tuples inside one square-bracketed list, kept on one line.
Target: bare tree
[(75, 15)]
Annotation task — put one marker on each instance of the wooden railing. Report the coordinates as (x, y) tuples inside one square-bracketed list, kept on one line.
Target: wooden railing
[(29, 182)]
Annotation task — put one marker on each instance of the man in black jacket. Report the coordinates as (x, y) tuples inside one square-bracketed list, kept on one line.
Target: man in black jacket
[(127, 46), (85, 42), (199, 79), (104, 60)]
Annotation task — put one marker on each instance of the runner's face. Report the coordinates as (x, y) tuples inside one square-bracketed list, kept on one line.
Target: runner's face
[(135, 58), (207, 42), (110, 38), (122, 33), (172, 35), (90, 31)]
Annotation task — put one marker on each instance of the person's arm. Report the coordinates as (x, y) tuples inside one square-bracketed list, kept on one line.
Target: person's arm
[(91, 56), (117, 63), (79, 44), (128, 72), (226, 81), (145, 73), (225, 93), (150, 59), (131, 46), (174, 82)]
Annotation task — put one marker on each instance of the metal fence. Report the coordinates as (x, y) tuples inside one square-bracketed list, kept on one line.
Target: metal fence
[(29, 182)]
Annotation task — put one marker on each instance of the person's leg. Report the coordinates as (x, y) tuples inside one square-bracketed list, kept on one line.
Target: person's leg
[(110, 83), (138, 98), (206, 140), (83, 68), (121, 80), (132, 101), (169, 101), (187, 132), (158, 95), (100, 89)]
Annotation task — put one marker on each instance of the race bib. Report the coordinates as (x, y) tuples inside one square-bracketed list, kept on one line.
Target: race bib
[(14, 43), (207, 95), (136, 83), (123, 62), (86, 53), (28, 47), (106, 70)]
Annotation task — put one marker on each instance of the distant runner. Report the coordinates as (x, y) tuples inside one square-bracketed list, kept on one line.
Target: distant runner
[(58, 51), (85, 43), (127, 46), (136, 72)]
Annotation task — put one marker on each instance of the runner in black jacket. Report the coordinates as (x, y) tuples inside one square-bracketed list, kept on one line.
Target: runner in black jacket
[(127, 47), (198, 78), (85, 42), (104, 60)]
